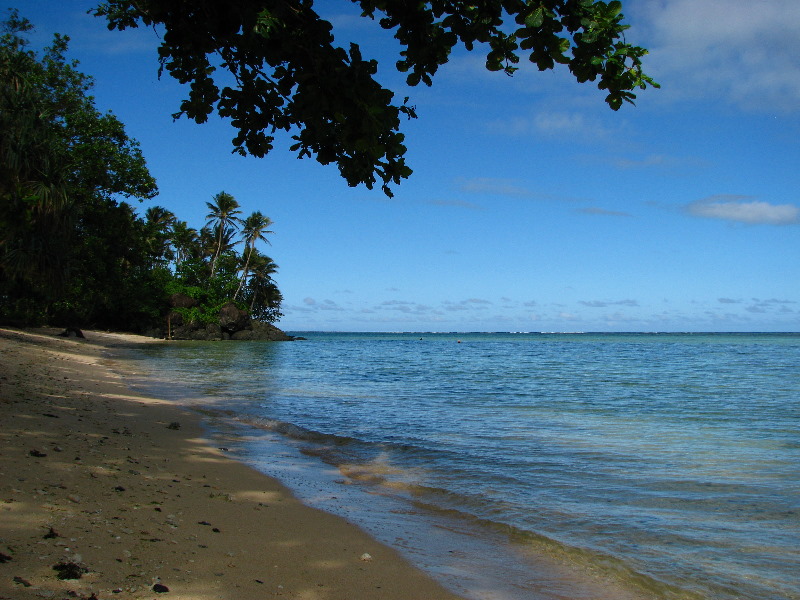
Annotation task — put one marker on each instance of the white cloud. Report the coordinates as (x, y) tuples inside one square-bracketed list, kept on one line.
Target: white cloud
[(487, 185), (558, 123), (596, 210), (653, 160), (574, 125), (756, 308), (742, 51), (604, 303), (469, 304), (743, 210), (406, 307), (770, 305), (507, 187), (310, 304), (477, 301), (453, 307), (660, 161)]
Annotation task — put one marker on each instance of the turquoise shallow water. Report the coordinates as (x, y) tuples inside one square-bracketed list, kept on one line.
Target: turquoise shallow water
[(667, 464)]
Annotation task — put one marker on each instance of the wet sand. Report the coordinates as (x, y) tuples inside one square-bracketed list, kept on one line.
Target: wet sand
[(126, 498)]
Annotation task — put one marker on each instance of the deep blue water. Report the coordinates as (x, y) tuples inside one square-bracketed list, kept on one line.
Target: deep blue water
[(666, 464)]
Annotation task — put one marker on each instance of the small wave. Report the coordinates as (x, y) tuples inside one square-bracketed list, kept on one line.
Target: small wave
[(293, 431), (615, 576)]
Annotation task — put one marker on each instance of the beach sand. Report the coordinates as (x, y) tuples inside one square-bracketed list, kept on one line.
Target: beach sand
[(125, 493)]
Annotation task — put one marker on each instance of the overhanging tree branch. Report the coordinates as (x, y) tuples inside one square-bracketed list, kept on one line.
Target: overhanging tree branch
[(291, 77)]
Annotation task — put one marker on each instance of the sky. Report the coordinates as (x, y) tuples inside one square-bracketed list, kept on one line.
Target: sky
[(532, 206)]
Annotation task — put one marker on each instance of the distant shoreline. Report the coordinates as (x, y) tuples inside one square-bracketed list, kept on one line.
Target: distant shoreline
[(294, 332)]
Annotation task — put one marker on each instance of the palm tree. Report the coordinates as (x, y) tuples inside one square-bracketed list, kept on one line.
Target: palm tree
[(159, 216), (254, 229), (159, 223), (207, 244), (223, 218), (186, 240), (265, 299)]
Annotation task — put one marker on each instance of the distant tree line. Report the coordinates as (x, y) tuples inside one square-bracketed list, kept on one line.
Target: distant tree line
[(73, 251)]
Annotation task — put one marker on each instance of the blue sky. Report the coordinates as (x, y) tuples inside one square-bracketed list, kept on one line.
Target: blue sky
[(533, 206)]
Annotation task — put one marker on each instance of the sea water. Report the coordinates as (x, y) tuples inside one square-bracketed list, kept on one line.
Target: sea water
[(539, 466)]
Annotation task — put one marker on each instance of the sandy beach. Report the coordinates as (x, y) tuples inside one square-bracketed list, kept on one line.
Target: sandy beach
[(106, 493)]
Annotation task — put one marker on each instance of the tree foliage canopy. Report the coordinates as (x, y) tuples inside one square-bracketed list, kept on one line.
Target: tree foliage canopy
[(290, 75), (62, 163), (71, 250)]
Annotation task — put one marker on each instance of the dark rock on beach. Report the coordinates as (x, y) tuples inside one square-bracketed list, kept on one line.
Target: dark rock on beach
[(72, 332), (261, 331), (233, 319), (70, 570), (182, 301)]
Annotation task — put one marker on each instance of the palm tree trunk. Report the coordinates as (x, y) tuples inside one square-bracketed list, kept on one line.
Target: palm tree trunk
[(216, 254), (244, 274)]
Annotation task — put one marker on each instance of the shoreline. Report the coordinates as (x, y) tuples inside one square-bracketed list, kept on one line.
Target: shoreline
[(472, 559), (126, 491)]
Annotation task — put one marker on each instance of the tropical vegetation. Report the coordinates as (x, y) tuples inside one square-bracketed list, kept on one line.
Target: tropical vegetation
[(73, 250), (207, 266)]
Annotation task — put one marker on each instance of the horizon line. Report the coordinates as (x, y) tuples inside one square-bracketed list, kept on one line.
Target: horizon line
[(486, 332)]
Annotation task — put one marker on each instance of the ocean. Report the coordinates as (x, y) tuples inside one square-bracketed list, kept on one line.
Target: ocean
[(517, 466)]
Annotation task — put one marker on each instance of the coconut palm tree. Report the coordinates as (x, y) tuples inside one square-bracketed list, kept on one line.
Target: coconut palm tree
[(158, 230), (265, 298), (185, 240), (207, 243), (254, 229), (222, 217)]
